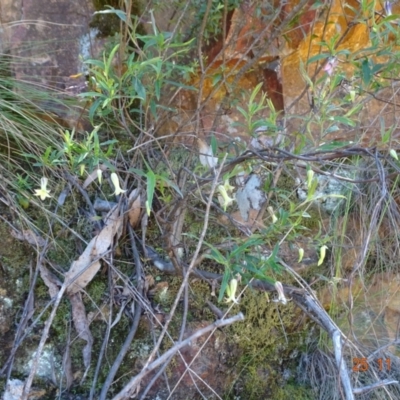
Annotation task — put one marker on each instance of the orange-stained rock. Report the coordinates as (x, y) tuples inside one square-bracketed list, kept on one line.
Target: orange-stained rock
[(375, 310), (353, 34), (223, 86)]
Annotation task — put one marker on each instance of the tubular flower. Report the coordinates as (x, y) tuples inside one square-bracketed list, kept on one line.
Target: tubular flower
[(393, 153), (310, 176), (224, 199), (115, 181), (301, 254), (231, 291), (322, 254), (43, 192), (330, 65), (281, 294), (99, 175), (272, 214)]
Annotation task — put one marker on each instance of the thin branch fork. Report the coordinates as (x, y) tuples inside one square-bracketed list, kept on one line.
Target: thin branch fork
[(135, 381)]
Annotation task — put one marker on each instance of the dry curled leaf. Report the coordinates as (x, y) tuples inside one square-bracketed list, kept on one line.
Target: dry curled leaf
[(28, 236), (81, 324), (50, 280), (134, 208), (86, 266)]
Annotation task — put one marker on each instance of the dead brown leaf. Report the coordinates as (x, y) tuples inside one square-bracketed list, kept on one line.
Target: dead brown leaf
[(81, 324), (134, 208), (86, 266), (51, 281), (28, 236)]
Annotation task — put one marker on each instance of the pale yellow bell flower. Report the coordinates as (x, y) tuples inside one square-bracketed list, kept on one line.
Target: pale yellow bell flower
[(231, 291), (281, 294), (115, 181), (310, 176), (272, 214), (322, 254), (224, 199), (99, 175), (301, 254), (393, 153), (43, 192), (228, 187)]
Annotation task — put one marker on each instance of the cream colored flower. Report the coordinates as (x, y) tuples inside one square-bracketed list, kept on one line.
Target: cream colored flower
[(115, 181), (322, 255), (43, 192), (281, 294), (99, 175), (224, 198), (301, 254), (206, 155), (231, 291), (310, 176), (228, 187), (393, 153), (272, 214)]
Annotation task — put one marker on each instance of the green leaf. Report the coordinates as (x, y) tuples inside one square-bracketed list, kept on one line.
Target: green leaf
[(224, 284), (366, 72), (110, 59), (241, 250), (214, 144), (255, 92), (157, 87), (333, 145), (322, 56), (390, 18), (242, 111), (217, 256), (139, 88), (120, 14), (344, 120)]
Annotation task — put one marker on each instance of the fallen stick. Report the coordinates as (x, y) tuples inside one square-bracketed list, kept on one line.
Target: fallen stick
[(131, 386)]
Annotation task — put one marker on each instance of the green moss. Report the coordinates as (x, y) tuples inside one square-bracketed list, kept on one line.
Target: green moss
[(290, 392), (15, 255), (267, 341)]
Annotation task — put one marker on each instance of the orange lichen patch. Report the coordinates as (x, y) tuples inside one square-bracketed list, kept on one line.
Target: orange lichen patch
[(220, 77), (346, 27), (352, 38), (223, 85), (240, 38), (246, 29), (301, 28)]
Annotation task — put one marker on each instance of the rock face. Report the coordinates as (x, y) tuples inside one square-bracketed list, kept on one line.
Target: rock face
[(47, 41), (46, 38), (376, 316)]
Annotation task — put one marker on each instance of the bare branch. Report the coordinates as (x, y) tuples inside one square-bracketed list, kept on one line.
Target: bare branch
[(132, 384)]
